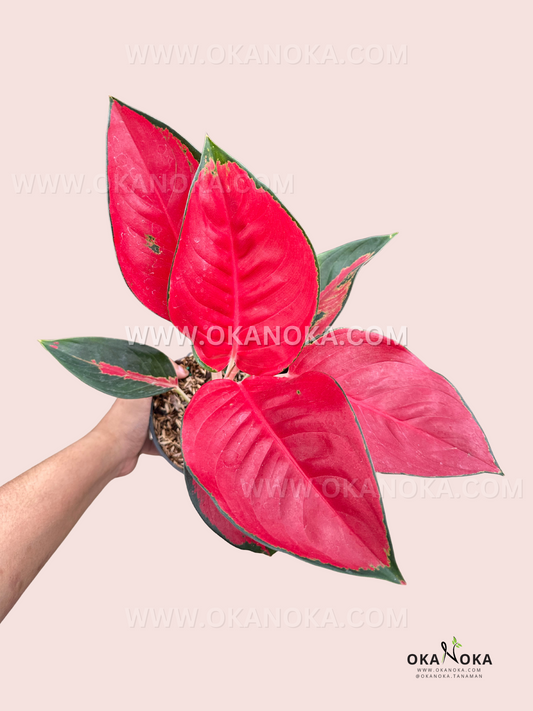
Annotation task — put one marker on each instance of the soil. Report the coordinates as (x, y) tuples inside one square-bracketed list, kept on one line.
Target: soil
[(169, 409)]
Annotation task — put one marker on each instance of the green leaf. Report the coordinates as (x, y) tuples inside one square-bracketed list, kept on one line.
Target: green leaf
[(338, 269), (458, 645), (454, 640), (115, 367)]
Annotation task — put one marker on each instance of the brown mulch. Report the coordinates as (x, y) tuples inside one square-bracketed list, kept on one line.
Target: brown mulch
[(169, 409)]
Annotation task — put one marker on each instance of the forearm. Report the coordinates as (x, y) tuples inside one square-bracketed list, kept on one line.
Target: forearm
[(39, 508)]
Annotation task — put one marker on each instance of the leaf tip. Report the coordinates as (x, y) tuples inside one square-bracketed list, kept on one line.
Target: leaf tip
[(213, 152), (392, 572), (398, 578), (49, 344)]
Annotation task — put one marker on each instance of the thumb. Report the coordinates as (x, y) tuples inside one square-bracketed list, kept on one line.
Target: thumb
[(181, 372)]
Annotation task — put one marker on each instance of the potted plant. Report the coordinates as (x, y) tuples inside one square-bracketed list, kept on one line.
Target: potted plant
[(283, 421)]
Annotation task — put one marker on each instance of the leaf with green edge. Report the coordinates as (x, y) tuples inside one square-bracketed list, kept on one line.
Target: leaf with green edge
[(114, 366), (413, 419), (244, 271), (200, 361), (284, 459), (217, 522), (150, 168), (338, 269), (206, 508)]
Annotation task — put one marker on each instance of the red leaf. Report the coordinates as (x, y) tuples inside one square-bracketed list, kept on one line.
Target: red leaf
[(243, 264), (413, 419), (150, 169), (219, 523), (285, 460), (207, 509)]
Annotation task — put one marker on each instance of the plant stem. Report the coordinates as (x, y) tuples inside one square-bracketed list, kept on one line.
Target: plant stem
[(231, 366), (232, 374), (182, 395)]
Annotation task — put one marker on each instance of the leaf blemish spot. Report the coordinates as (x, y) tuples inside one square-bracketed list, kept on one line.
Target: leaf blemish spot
[(151, 244)]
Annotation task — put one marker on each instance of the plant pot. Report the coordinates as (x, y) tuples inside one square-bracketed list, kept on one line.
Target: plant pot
[(168, 409), (156, 440)]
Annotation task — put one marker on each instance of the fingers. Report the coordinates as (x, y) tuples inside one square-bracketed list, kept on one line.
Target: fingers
[(181, 372)]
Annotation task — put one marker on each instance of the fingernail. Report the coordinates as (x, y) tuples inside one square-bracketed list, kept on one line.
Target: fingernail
[(182, 372)]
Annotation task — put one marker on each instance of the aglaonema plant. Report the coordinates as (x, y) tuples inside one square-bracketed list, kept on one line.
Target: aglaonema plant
[(283, 458)]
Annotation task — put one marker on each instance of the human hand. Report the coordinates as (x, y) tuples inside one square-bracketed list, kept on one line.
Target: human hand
[(124, 429), (40, 506)]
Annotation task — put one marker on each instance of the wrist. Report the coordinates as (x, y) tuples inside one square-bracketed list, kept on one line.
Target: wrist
[(104, 450)]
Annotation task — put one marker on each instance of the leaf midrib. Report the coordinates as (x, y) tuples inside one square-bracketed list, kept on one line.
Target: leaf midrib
[(236, 302)]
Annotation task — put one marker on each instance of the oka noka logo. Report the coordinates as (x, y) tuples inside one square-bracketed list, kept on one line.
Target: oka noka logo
[(453, 654)]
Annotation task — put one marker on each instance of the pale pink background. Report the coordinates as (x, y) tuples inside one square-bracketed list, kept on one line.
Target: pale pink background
[(438, 149)]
